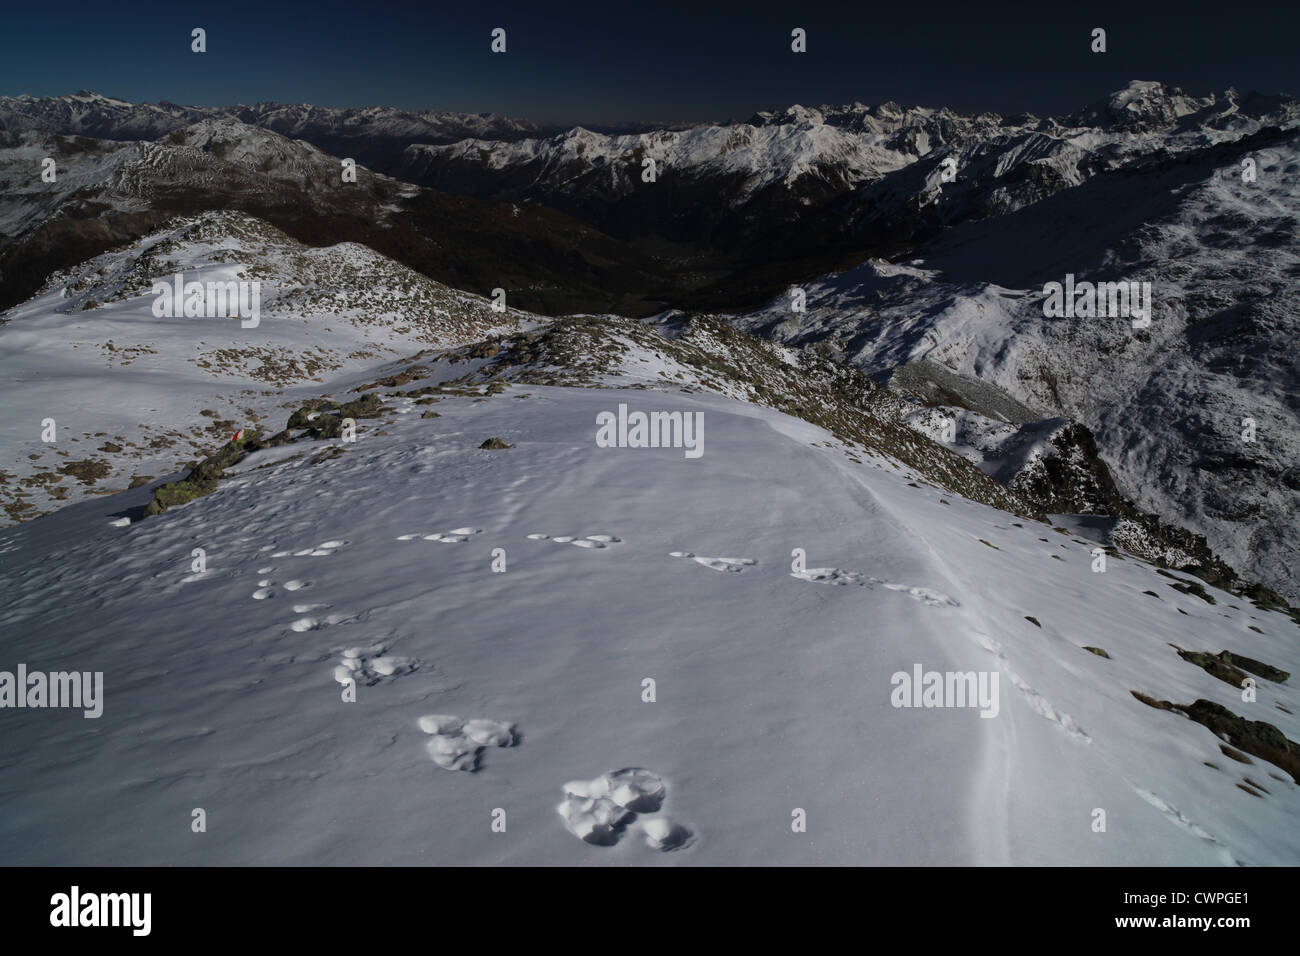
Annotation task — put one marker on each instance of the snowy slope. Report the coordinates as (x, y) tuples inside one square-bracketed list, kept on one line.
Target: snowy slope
[(773, 690), (134, 395), (1166, 404)]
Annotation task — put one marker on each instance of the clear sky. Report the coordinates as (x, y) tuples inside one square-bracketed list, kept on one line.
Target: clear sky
[(643, 59)]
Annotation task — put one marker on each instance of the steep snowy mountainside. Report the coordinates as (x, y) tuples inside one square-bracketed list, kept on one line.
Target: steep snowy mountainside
[(1168, 404), (136, 395), (496, 613)]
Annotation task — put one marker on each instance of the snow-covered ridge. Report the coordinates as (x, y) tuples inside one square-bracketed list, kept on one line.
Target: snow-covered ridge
[(1169, 405), (92, 114), (859, 144), (136, 395)]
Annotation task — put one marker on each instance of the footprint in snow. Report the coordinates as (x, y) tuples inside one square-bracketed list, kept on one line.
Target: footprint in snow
[(266, 587), (590, 541), (321, 550), (454, 536), (371, 665), (717, 564), (456, 744), (1036, 701), (1178, 819), (839, 576), (316, 623), (603, 810)]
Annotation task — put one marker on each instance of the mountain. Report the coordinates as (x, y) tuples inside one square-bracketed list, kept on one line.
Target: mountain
[(373, 135), (373, 127), (923, 239), (107, 193), (1171, 406), (136, 396), (477, 614)]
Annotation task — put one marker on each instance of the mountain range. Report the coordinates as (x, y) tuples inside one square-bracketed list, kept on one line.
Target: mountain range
[(403, 482)]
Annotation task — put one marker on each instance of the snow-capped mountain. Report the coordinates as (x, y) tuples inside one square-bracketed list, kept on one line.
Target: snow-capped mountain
[(377, 127), (373, 135), (478, 634), (1138, 184), (845, 167), (1197, 415), (107, 193)]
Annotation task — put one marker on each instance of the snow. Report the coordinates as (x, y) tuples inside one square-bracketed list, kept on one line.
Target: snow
[(1167, 407), (89, 352), (412, 650), (771, 689)]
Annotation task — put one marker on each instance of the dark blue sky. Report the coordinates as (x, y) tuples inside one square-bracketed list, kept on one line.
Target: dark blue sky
[(624, 60)]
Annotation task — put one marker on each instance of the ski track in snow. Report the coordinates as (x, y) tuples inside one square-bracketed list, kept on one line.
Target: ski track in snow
[(603, 810)]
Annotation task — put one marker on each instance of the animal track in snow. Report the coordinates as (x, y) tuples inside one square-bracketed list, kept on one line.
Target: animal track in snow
[(602, 810), (1036, 700), (829, 576), (924, 595), (370, 665), (321, 550), (316, 623), (717, 564), (1175, 816), (454, 536), (840, 576), (590, 541), (456, 744), (266, 588)]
